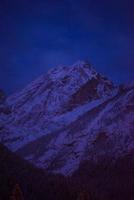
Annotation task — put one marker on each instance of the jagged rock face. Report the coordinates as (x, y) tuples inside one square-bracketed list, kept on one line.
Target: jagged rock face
[(61, 87), (69, 115)]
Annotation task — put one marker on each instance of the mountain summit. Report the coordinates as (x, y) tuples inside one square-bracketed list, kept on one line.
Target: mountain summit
[(69, 115)]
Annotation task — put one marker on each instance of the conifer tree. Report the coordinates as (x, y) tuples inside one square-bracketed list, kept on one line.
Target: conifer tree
[(17, 193)]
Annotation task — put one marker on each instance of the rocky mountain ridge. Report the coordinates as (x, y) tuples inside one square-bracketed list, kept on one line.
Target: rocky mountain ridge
[(69, 115)]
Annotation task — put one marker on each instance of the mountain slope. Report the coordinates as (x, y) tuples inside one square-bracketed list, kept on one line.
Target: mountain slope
[(70, 115)]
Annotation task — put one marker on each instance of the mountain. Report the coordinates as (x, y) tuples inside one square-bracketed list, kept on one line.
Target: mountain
[(70, 115)]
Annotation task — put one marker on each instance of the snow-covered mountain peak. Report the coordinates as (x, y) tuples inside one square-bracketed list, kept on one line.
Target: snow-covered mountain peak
[(70, 114), (79, 69), (82, 64), (61, 86)]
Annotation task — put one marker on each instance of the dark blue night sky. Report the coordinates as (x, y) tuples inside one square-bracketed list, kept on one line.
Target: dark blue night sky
[(37, 35)]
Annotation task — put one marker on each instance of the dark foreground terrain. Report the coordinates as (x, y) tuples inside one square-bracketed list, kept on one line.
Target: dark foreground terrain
[(102, 181)]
